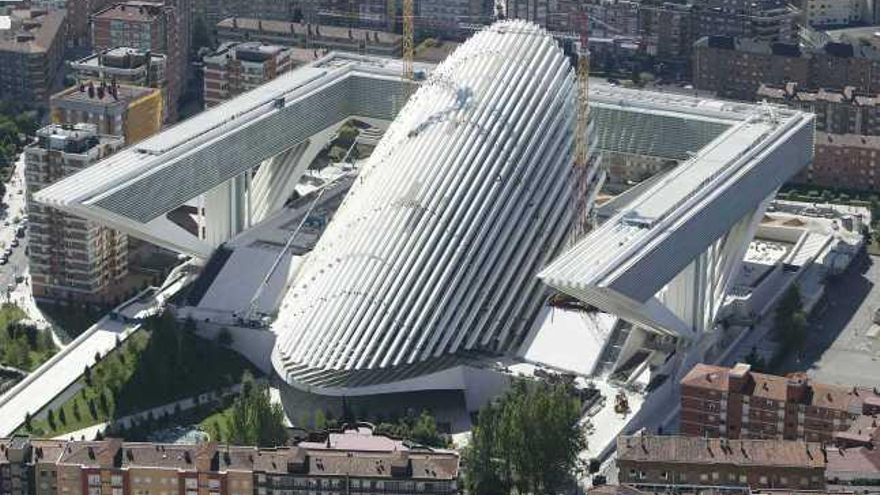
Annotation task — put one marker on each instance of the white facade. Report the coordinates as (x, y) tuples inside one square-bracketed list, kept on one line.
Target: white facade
[(431, 264), (433, 253), (667, 258)]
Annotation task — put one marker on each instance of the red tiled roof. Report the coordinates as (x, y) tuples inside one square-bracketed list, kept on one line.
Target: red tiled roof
[(696, 450)]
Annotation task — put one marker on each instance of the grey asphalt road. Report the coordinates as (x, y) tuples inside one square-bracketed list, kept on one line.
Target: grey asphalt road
[(16, 266)]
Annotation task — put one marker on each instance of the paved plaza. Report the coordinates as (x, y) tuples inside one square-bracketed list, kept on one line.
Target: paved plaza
[(840, 348)]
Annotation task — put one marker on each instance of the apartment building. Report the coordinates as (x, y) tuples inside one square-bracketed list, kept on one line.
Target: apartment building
[(739, 403), (847, 161), (239, 67), (354, 461), (847, 142), (24, 469), (79, 13), (70, 258), (555, 15), (855, 461), (668, 33), (134, 112), (367, 14), (128, 66), (765, 20), (696, 490), (310, 36), (614, 18), (31, 53), (214, 11), (154, 26), (827, 13), (449, 19), (843, 111), (651, 461), (15, 472), (736, 67)]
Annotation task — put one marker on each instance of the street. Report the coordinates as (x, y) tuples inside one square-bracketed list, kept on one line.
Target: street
[(15, 208)]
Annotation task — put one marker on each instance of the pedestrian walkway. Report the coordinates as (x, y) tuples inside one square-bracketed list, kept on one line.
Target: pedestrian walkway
[(60, 372), (64, 368)]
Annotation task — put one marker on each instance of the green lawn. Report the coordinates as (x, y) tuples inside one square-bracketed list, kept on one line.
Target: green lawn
[(157, 365), (217, 424), (21, 346)]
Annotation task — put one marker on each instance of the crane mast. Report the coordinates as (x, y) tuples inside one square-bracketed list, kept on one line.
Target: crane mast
[(580, 223), (408, 40)]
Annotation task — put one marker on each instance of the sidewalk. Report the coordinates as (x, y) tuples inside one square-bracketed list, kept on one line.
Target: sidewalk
[(64, 368)]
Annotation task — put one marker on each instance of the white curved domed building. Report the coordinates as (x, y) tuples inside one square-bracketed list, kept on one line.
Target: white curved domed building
[(431, 260)]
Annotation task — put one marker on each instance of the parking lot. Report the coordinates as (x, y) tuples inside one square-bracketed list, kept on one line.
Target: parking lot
[(840, 348)]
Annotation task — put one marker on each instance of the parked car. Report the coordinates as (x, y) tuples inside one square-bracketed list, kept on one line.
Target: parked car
[(14, 242)]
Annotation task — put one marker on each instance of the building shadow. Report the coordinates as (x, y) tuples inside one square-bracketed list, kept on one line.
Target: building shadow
[(844, 295)]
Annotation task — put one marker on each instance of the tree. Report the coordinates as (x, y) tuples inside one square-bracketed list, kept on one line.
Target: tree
[(27, 421), (528, 440), (420, 429), (755, 360), (87, 375), (200, 35), (224, 337), (92, 409), (215, 431), (255, 420), (76, 413), (50, 417), (104, 402), (62, 416), (320, 420), (424, 431), (790, 321)]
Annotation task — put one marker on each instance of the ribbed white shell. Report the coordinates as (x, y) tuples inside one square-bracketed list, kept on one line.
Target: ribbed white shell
[(436, 248)]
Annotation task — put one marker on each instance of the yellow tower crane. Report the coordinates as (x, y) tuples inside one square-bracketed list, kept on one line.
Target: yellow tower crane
[(408, 44), (581, 221)]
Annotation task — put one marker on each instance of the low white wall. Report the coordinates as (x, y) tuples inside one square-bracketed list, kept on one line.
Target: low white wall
[(254, 344)]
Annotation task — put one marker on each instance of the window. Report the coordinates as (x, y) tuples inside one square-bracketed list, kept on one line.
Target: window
[(763, 480), (704, 477), (743, 478)]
